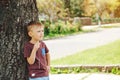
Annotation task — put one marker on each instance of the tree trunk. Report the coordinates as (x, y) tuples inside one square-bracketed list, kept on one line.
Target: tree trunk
[(14, 16)]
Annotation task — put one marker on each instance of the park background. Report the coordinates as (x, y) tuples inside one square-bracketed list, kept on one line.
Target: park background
[(61, 18), (68, 17)]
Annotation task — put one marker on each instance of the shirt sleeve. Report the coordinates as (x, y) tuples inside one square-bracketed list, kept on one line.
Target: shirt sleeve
[(27, 51), (46, 49)]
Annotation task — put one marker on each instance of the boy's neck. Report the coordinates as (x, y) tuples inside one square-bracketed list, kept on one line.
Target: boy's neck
[(33, 41)]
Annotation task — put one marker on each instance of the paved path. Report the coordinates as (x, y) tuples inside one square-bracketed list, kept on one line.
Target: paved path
[(72, 44), (85, 76)]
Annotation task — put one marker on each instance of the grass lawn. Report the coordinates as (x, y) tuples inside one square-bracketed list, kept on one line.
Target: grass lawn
[(107, 54)]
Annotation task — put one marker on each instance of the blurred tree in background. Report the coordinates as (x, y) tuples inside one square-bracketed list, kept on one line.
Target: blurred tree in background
[(51, 11), (60, 9), (89, 8), (117, 9), (77, 8), (54, 9)]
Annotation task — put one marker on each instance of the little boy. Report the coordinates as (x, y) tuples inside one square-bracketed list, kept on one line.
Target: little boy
[(36, 53)]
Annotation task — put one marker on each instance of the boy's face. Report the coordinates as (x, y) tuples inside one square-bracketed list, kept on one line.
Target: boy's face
[(37, 33)]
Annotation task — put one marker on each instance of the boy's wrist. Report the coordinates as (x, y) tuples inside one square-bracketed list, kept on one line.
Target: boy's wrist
[(48, 67)]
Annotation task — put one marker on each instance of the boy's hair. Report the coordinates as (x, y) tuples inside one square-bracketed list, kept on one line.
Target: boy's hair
[(34, 24)]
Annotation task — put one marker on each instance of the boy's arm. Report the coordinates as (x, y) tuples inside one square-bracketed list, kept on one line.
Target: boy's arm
[(31, 59), (48, 59)]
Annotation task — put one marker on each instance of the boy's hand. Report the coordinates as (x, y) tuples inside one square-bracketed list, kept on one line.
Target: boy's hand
[(37, 45), (48, 68)]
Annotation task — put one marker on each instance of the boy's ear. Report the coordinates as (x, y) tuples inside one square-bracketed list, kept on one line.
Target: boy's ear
[(30, 33)]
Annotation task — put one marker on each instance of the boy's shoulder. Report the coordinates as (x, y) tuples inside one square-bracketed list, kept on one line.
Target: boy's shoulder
[(28, 44), (43, 43)]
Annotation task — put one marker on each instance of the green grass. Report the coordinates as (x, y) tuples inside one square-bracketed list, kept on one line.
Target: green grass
[(111, 26), (107, 54)]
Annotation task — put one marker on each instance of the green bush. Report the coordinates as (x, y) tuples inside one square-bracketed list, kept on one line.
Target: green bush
[(53, 70), (116, 71), (46, 29), (72, 70), (61, 28)]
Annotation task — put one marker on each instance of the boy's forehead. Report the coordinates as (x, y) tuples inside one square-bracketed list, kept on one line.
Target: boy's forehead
[(36, 27)]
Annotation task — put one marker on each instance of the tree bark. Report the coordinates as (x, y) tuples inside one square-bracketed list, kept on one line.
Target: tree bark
[(14, 16)]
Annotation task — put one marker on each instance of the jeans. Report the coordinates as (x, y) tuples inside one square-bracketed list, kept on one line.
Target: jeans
[(40, 78)]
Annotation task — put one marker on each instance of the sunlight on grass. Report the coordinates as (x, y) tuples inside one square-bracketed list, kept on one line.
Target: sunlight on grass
[(107, 54)]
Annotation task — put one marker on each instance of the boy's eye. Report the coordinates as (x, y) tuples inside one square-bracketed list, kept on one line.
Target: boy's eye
[(41, 31)]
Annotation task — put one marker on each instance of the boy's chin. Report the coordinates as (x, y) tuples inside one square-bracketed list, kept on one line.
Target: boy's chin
[(40, 39)]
